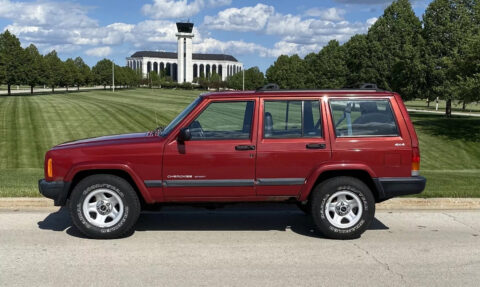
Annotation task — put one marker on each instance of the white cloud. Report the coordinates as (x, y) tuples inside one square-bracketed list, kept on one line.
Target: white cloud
[(164, 9), (99, 51), (210, 45), (241, 19), (371, 21), (299, 34), (62, 14), (364, 1), (330, 14), (66, 27)]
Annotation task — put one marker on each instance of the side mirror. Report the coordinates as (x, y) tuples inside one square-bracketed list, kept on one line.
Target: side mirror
[(184, 135)]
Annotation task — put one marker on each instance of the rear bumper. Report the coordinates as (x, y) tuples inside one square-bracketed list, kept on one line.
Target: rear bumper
[(389, 187), (56, 190)]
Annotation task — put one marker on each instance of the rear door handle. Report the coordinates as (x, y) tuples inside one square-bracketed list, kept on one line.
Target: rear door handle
[(245, 147), (316, 146)]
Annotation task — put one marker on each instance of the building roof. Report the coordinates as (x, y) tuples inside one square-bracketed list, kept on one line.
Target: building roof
[(195, 56)]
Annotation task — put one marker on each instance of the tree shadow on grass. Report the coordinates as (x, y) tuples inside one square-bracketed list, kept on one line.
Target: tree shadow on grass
[(251, 217), (457, 127)]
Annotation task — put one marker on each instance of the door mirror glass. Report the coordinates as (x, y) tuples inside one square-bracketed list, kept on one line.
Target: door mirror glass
[(184, 135)]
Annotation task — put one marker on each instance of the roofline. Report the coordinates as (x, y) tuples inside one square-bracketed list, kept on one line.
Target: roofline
[(345, 92), (322, 91)]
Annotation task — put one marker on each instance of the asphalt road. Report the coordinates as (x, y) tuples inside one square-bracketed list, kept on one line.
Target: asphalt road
[(272, 246)]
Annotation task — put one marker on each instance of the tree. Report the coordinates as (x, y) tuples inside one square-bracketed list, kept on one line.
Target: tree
[(70, 73), (153, 79), (54, 70), (34, 67), (11, 63), (447, 26), (359, 62), (254, 79), (395, 37), (327, 69), (287, 72), (83, 76), (469, 72), (215, 81), (102, 72)]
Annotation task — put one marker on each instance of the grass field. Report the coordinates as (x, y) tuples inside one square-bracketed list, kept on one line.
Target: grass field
[(30, 125), (456, 106)]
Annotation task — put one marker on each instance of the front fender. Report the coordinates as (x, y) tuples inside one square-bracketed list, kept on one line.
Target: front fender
[(79, 167)]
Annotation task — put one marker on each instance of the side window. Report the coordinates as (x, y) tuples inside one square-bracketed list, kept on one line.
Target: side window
[(356, 118), (292, 119), (224, 120)]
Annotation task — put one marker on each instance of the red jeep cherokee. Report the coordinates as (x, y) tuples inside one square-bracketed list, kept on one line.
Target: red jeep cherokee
[(333, 152)]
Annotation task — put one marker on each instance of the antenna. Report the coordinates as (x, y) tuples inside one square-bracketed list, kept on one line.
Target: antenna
[(156, 119)]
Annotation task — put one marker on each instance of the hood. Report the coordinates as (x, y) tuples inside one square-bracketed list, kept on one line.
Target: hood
[(108, 139)]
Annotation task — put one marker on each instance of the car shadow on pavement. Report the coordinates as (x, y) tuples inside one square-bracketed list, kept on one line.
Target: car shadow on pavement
[(264, 217)]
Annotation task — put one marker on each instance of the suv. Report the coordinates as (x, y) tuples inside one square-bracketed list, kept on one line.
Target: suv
[(333, 152)]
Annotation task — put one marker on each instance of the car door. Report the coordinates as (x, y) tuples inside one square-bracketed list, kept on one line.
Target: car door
[(292, 143), (219, 159)]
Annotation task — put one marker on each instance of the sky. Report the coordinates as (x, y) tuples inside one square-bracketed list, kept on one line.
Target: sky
[(255, 32)]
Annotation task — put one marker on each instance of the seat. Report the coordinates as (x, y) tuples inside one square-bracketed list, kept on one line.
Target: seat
[(268, 124)]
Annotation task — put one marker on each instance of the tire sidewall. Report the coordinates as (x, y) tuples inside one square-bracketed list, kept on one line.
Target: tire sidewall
[(325, 191), (122, 189)]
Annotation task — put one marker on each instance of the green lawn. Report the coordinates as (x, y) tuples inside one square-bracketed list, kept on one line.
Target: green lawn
[(456, 106), (30, 125)]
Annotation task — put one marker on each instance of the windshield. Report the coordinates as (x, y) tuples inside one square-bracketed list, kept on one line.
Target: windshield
[(180, 116)]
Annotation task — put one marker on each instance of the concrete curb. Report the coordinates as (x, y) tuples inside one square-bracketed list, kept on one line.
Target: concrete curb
[(44, 204)]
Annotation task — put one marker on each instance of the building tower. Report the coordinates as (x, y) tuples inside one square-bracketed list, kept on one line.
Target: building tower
[(184, 52)]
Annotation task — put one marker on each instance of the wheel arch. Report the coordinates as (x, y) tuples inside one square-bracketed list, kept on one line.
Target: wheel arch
[(140, 190), (362, 174)]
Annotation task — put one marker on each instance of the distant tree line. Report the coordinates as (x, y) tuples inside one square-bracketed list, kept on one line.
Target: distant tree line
[(27, 66), (436, 57)]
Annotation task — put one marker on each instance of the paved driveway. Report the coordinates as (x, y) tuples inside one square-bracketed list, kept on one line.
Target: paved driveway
[(265, 246)]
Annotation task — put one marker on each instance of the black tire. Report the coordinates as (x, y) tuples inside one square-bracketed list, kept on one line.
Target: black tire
[(113, 185), (335, 186)]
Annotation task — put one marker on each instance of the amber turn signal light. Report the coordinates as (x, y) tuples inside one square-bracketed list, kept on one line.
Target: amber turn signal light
[(49, 168)]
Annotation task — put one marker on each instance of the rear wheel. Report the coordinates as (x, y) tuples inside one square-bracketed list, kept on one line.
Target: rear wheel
[(342, 207), (104, 206)]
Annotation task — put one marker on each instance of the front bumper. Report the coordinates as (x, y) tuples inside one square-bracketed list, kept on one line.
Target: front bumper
[(389, 187), (56, 190)]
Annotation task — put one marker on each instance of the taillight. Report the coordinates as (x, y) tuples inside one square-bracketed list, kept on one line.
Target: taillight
[(415, 161), (50, 168)]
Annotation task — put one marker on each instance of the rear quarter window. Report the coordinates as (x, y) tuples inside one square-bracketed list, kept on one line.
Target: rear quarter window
[(363, 118)]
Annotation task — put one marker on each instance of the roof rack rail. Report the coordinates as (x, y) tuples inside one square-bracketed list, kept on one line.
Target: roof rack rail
[(369, 86), (269, 87)]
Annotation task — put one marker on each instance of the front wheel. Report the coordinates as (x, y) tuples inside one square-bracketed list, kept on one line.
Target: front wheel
[(104, 206), (342, 207)]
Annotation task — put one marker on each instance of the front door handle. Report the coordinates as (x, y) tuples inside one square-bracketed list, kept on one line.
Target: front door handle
[(316, 146), (245, 147)]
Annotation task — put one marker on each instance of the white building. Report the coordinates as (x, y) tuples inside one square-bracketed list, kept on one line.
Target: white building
[(184, 66)]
